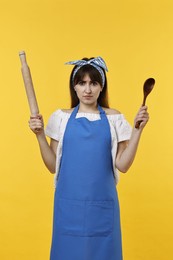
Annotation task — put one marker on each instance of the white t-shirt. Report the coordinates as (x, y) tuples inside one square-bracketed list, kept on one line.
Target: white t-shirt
[(119, 127)]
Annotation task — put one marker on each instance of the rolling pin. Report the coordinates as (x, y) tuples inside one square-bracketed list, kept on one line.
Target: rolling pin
[(33, 105)]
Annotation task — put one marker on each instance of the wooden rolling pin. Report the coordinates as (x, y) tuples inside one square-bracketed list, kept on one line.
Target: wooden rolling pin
[(33, 105)]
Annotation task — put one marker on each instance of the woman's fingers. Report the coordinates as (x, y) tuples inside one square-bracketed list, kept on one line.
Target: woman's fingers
[(142, 116), (36, 123)]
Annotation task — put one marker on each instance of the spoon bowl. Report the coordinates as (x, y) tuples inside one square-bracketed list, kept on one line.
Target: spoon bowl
[(147, 88)]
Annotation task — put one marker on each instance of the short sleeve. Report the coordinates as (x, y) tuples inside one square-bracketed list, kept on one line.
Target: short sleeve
[(52, 129), (123, 129)]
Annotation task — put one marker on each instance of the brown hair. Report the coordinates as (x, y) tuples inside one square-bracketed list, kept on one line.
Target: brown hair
[(94, 75)]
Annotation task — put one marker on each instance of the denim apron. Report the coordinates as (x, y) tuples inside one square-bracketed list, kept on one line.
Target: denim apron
[(86, 223)]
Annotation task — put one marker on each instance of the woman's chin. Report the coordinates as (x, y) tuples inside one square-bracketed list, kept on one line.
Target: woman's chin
[(88, 102)]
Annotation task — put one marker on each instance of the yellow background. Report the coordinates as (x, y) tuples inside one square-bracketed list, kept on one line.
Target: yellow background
[(135, 37)]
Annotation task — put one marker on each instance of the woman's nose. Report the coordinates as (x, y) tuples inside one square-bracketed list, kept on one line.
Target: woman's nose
[(88, 88)]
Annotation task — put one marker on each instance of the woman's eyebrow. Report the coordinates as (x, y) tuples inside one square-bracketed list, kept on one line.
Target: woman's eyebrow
[(84, 80)]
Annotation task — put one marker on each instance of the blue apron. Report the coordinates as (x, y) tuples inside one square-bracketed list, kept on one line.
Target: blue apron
[(86, 210)]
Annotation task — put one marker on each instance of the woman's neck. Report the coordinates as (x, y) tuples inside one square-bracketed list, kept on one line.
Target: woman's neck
[(90, 108)]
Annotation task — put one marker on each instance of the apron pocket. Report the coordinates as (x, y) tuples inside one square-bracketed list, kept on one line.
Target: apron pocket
[(99, 218), (72, 217)]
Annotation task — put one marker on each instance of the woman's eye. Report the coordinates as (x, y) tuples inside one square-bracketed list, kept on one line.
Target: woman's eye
[(94, 83), (81, 83)]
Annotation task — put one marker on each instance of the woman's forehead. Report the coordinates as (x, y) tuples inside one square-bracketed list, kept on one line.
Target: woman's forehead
[(86, 76), (88, 73)]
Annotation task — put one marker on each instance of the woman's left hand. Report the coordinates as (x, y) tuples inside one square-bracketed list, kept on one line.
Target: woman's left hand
[(143, 116)]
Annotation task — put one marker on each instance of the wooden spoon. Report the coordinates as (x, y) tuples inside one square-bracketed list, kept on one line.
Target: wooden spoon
[(147, 88)]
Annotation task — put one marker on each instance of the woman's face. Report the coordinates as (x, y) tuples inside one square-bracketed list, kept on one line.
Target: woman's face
[(87, 90)]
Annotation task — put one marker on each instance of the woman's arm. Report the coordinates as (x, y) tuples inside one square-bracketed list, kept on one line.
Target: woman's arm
[(48, 152), (127, 149)]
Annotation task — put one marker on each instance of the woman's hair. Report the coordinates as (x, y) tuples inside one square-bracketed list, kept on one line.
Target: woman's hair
[(94, 75)]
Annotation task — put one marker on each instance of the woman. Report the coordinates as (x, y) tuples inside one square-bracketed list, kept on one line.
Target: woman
[(88, 144)]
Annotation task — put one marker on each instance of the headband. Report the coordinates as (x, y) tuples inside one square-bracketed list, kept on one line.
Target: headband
[(97, 63)]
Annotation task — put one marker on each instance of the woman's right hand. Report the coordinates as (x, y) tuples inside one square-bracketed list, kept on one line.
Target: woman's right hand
[(36, 124)]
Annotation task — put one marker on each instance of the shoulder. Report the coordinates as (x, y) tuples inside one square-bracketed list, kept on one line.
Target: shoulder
[(60, 115), (111, 111), (67, 110), (62, 112)]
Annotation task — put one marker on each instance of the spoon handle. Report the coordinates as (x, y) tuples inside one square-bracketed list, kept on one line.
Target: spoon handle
[(144, 99), (143, 104)]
